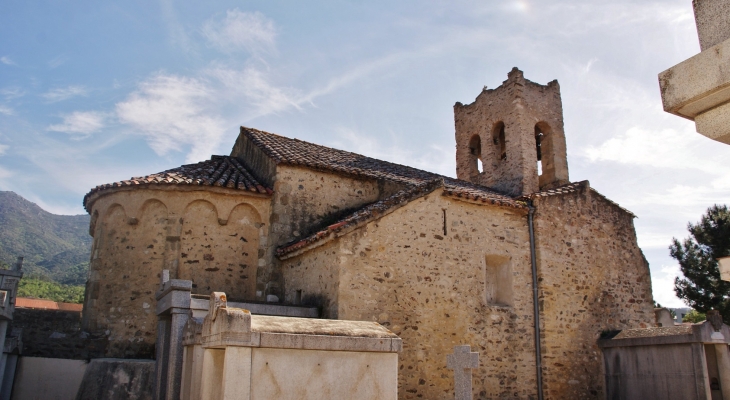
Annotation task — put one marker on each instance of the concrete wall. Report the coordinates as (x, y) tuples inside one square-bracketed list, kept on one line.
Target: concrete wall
[(594, 277), (215, 237), (670, 372), (520, 105), (115, 379), (47, 378), (312, 374)]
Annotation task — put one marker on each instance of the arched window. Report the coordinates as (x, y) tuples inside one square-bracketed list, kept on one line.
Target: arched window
[(475, 153), (545, 153), (499, 140)]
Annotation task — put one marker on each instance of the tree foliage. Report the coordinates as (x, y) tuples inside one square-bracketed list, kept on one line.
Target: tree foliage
[(42, 288), (694, 317), (701, 287)]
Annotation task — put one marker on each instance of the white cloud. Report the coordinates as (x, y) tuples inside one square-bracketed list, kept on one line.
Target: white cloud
[(12, 92), (3, 148), (80, 123), (255, 87), (239, 30), (434, 158), (7, 61), (60, 94), (6, 110), (173, 112), (665, 148), (662, 280)]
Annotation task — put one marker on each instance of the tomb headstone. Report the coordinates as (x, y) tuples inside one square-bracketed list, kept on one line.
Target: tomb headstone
[(462, 362)]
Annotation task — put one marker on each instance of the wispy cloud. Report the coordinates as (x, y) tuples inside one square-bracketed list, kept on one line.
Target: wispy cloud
[(80, 124), (434, 158), (57, 61), (173, 112), (5, 110), (7, 61), (239, 31), (60, 94), (662, 279), (175, 30), (3, 148), (12, 92), (667, 148)]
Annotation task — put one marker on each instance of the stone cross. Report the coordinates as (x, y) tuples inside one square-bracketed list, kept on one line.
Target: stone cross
[(462, 362)]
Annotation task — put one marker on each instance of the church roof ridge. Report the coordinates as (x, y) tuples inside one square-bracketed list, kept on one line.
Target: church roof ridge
[(289, 151), (219, 171)]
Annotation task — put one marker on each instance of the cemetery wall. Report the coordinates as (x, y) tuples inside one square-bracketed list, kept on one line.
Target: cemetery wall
[(56, 334), (215, 237), (430, 288), (593, 278)]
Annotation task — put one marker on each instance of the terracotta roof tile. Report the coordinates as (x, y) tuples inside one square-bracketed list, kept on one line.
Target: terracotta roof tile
[(43, 304), (284, 150), (571, 188), (220, 171)]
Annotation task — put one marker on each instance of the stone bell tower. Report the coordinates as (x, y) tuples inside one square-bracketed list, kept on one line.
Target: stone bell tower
[(511, 138)]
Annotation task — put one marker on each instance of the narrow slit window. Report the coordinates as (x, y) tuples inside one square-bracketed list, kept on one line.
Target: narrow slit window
[(500, 141), (445, 230)]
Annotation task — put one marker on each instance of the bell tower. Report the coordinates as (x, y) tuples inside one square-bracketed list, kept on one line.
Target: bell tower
[(511, 138)]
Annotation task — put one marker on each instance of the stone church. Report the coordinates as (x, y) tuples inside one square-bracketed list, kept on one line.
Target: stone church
[(438, 261)]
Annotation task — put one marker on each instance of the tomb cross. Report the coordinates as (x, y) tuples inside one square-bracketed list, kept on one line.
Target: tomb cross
[(462, 362)]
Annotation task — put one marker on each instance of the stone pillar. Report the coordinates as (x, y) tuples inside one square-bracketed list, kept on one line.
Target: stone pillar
[(173, 310), (723, 368), (161, 347)]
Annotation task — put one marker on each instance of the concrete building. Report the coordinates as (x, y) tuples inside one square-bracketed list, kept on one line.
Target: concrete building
[(699, 88), (437, 261)]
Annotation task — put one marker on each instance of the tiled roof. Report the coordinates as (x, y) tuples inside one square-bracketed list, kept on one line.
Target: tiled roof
[(284, 150), (564, 189), (42, 304), (220, 171), (571, 188), (655, 331), (358, 218)]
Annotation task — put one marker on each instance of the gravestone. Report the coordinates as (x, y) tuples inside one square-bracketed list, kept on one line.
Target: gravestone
[(462, 362)]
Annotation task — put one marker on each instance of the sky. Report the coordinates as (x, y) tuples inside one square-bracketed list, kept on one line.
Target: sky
[(94, 92)]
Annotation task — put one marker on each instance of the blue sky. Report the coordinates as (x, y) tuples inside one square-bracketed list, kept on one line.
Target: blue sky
[(93, 92)]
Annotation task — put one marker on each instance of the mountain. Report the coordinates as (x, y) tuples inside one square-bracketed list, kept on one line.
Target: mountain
[(54, 246)]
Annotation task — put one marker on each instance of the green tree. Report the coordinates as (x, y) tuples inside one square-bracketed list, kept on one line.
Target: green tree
[(694, 317), (701, 287)]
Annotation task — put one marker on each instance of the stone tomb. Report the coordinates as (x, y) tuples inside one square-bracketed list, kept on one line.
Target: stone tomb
[(683, 362), (232, 354)]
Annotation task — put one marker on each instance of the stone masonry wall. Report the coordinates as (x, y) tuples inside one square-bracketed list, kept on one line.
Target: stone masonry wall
[(431, 288), (56, 334), (215, 237), (306, 199), (593, 278), (315, 279), (520, 105)]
